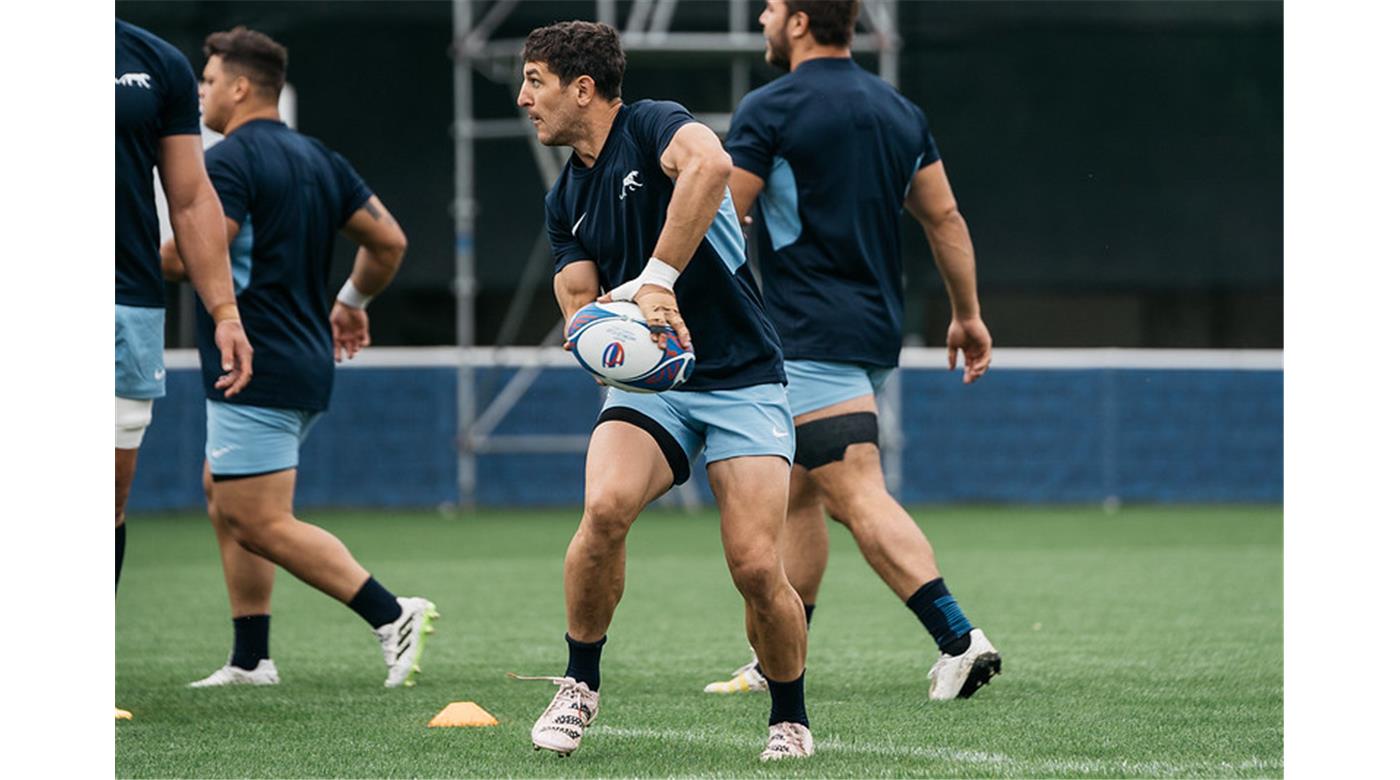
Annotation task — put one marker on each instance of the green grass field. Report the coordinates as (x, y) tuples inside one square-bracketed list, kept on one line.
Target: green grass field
[(1147, 643)]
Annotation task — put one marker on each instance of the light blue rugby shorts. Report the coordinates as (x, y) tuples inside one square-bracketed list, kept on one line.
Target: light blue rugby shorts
[(723, 423), (244, 441), (140, 352), (817, 384)]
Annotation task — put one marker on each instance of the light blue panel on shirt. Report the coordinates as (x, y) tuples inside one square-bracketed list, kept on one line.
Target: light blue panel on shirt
[(779, 199), (726, 236), (918, 162), (240, 254), (140, 352)]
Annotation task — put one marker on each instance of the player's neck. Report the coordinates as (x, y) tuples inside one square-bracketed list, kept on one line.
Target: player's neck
[(597, 127), (241, 118), (816, 53)]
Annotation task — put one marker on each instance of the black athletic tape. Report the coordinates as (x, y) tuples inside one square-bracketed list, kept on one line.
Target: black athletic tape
[(232, 477), (674, 452), (824, 441)]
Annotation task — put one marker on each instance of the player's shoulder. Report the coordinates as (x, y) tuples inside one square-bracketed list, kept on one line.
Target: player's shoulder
[(888, 92), (553, 199), (646, 112), (144, 40), (768, 96)]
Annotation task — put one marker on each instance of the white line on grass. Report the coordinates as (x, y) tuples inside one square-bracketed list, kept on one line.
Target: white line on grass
[(1038, 767)]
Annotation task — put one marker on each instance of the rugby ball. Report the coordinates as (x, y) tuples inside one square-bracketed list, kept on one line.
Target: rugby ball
[(613, 342)]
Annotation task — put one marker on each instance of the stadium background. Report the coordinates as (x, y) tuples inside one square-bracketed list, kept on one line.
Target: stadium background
[(1120, 166)]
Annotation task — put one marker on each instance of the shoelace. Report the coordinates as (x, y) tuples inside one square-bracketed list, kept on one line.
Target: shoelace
[(569, 690)]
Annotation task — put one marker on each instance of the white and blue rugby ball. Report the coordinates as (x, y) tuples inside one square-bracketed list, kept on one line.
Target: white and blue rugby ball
[(613, 341)]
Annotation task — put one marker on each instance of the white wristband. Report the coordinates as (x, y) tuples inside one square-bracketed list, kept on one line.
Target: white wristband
[(658, 272), (351, 296)]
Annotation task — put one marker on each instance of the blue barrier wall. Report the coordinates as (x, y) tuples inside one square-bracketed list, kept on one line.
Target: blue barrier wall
[(1018, 435)]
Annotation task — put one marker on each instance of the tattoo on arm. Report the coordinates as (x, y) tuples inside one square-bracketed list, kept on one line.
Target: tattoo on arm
[(374, 212)]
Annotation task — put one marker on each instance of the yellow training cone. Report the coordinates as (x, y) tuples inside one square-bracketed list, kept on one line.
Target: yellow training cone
[(122, 714), (462, 713)]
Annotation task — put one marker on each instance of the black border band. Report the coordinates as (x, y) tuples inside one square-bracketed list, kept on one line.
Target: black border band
[(675, 454), (232, 477)]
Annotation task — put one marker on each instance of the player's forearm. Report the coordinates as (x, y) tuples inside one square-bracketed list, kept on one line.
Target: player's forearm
[(202, 246), (171, 266), (571, 298), (952, 251), (698, 195), (376, 266)]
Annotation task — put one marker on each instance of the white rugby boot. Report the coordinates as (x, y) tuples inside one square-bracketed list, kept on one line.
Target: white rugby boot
[(745, 679), (573, 708), (402, 640), (959, 676), (787, 740), (265, 673)]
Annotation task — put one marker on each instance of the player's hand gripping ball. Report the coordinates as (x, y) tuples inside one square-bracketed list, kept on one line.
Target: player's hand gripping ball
[(613, 341)]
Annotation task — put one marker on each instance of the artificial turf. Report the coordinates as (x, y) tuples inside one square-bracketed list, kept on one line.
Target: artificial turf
[(1143, 643)]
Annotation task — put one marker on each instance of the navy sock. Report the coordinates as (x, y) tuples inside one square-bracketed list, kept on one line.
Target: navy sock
[(789, 701), (810, 608), (583, 661), (250, 641), (121, 550), (939, 612), (375, 604)]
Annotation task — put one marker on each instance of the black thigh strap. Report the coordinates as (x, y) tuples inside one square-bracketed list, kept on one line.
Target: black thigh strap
[(675, 454), (824, 441)]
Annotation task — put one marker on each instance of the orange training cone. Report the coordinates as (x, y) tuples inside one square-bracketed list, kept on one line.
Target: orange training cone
[(462, 713)]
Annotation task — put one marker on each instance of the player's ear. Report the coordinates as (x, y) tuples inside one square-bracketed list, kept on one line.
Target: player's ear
[(799, 24), (242, 87), (584, 90)]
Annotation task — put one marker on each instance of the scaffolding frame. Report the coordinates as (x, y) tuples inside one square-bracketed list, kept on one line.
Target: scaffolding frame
[(647, 30)]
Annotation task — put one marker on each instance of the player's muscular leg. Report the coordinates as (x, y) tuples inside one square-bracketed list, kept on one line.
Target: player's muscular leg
[(126, 472), (752, 497), (625, 471), (805, 543), (259, 512), (247, 576), (853, 491)]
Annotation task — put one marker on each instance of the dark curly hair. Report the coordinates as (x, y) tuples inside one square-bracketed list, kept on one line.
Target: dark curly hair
[(832, 22), (573, 49)]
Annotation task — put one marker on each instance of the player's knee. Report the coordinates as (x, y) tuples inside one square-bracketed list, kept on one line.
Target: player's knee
[(756, 574), (241, 522), (609, 513), (855, 507)]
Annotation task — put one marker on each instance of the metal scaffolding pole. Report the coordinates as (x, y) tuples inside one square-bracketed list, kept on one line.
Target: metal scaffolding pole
[(464, 220)]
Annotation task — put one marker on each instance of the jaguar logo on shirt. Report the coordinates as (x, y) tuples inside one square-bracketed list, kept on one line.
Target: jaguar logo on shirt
[(629, 183), (142, 80)]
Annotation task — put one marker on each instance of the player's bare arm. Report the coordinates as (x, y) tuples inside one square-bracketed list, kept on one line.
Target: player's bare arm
[(696, 160), (382, 246), (744, 188), (172, 266), (576, 286), (932, 203), (197, 219)]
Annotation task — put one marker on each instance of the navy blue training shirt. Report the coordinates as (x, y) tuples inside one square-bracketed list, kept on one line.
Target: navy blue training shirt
[(837, 148), (612, 214), (157, 96), (291, 195)]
